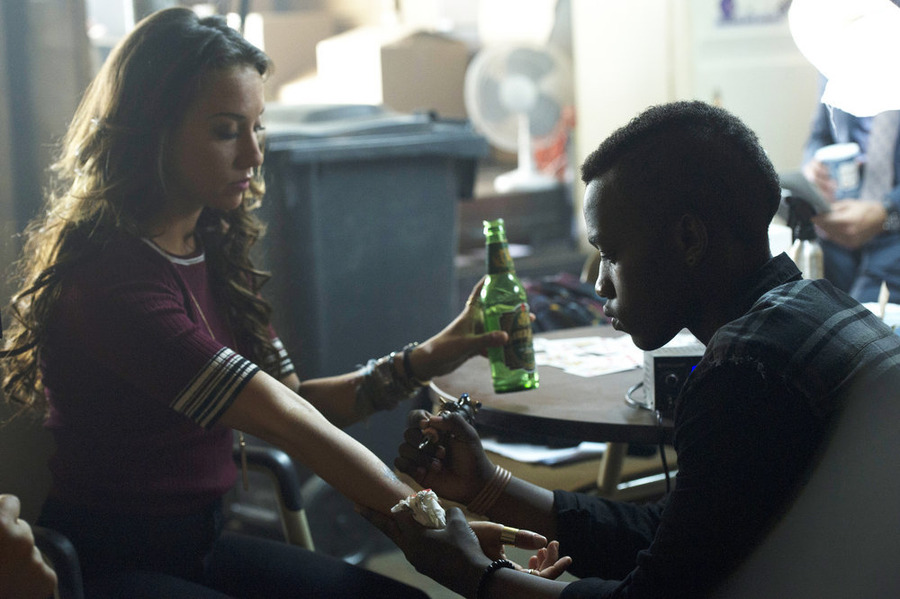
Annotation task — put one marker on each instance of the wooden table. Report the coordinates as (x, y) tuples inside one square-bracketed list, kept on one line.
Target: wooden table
[(565, 406)]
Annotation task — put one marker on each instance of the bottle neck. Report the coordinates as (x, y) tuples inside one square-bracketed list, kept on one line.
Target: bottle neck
[(499, 259)]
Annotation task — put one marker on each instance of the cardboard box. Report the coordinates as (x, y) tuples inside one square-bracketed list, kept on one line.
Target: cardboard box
[(404, 69), (425, 71), (289, 38)]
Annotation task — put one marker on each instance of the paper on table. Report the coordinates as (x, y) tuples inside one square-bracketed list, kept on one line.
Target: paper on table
[(581, 356), (541, 454), (588, 356)]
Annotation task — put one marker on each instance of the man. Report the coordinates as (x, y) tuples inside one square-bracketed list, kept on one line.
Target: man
[(678, 203), (860, 235)]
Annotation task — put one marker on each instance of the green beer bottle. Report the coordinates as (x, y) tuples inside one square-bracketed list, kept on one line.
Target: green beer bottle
[(506, 308)]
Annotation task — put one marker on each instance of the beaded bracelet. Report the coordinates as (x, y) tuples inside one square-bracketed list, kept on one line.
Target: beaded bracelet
[(383, 385), (491, 491), (407, 364), (486, 576)]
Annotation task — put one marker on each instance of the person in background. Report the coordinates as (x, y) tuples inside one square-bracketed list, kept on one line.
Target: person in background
[(678, 203), (23, 573), (140, 331), (860, 236)]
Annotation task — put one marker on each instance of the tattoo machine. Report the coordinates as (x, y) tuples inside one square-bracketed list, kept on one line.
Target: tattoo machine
[(464, 405)]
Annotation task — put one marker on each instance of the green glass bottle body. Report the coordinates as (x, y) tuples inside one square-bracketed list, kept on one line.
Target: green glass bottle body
[(506, 308)]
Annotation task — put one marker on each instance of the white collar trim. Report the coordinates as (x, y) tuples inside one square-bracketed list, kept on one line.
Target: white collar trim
[(175, 259)]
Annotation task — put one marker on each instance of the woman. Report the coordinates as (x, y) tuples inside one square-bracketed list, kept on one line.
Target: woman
[(139, 328)]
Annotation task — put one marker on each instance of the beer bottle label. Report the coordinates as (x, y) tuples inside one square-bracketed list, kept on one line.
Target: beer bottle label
[(499, 259), (519, 352)]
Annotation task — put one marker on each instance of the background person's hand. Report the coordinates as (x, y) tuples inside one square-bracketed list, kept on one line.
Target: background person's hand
[(23, 572), (851, 223), (818, 174)]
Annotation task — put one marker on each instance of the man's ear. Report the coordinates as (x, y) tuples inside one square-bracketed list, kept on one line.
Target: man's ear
[(694, 238)]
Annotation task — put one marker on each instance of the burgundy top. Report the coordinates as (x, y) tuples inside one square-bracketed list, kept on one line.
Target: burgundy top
[(136, 383)]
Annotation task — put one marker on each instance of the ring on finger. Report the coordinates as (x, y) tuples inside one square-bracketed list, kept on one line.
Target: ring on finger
[(508, 535)]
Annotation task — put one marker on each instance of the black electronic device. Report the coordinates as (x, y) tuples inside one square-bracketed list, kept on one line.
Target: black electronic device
[(667, 376)]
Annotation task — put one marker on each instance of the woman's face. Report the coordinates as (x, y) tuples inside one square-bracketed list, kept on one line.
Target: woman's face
[(218, 144)]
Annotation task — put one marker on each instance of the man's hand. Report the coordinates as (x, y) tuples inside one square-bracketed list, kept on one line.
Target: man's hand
[(456, 555), (454, 464)]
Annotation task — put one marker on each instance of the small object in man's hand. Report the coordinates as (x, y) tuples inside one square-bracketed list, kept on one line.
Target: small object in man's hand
[(426, 509), (464, 405)]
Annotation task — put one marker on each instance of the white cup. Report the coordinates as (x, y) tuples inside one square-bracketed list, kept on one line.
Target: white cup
[(842, 161)]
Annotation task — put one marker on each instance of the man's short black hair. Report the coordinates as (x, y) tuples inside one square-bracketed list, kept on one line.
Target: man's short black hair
[(692, 157)]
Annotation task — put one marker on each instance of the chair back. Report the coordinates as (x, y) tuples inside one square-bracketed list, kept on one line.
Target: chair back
[(840, 537)]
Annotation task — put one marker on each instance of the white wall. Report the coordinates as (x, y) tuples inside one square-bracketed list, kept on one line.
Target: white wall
[(758, 73), (629, 55)]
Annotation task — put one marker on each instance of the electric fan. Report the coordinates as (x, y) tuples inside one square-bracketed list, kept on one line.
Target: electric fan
[(515, 95)]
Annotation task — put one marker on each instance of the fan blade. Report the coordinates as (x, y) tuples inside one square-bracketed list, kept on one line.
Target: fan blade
[(491, 106), (544, 116), (530, 63)]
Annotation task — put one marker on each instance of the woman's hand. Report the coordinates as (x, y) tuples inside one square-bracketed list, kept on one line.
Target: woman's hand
[(453, 464), (547, 563), (459, 341)]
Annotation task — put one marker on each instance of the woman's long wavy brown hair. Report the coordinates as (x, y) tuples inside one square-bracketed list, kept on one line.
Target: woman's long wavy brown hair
[(109, 180)]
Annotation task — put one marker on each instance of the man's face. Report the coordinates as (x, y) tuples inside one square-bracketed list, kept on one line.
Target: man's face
[(642, 274)]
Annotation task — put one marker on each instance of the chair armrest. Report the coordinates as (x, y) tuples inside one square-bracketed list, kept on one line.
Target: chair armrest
[(59, 551), (280, 466)]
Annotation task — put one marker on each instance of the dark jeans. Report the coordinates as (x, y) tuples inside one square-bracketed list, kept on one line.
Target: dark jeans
[(860, 272), (125, 556)]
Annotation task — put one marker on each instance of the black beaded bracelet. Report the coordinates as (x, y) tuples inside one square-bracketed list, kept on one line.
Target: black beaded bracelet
[(492, 567), (407, 364)]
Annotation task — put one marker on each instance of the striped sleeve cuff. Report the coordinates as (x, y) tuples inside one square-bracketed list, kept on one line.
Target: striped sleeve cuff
[(286, 367), (214, 388)]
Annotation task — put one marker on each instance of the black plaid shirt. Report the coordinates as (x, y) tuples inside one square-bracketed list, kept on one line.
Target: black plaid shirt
[(748, 426)]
